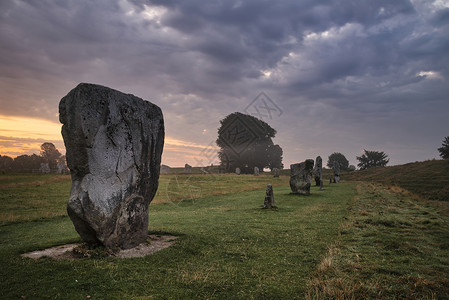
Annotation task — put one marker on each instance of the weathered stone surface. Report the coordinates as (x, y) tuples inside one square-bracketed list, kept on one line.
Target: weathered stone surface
[(301, 177), (187, 169), (336, 168), (256, 171), (238, 171), (269, 197), (114, 144), (276, 172)]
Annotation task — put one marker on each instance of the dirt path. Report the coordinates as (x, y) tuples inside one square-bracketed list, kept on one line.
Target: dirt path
[(158, 242)]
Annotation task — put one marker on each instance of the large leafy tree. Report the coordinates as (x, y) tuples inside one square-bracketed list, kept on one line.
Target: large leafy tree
[(371, 159), (246, 142), (51, 154), (340, 158), (444, 149)]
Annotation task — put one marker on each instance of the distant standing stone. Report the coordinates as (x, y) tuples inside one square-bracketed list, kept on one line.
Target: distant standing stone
[(114, 145), (237, 171), (45, 168), (269, 197), (336, 167), (165, 169), (276, 172), (62, 168), (187, 169), (317, 170), (256, 171), (301, 177)]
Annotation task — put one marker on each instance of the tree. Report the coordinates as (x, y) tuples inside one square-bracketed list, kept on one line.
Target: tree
[(246, 142), (372, 159), (275, 157), (5, 162), (51, 154), (340, 158), (26, 163), (444, 149)]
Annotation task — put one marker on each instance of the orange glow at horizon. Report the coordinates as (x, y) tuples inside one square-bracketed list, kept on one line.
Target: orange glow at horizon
[(24, 135)]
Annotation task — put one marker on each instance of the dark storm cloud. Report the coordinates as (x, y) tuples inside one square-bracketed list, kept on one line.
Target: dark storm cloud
[(355, 64)]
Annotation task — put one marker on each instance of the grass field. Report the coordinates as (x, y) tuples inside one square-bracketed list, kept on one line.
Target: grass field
[(352, 240)]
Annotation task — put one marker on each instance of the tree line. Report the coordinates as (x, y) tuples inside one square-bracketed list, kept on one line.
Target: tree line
[(28, 163), (246, 142)]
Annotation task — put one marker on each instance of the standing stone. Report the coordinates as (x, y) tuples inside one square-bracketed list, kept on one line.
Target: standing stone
[(238, 171), (269, 197), (45, 168), (62, 168), (317, 170), (114, 145), (256, 171), (276, 172), (336, 167), (187, 169), (165, 169), (301, 177)]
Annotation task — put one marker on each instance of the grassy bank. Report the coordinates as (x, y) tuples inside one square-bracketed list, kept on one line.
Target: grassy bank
[(430, 179)]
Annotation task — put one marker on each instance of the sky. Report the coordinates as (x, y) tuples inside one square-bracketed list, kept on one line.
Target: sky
[(329, 76)]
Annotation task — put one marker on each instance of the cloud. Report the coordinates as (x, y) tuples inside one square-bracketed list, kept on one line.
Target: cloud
[(345, 74)]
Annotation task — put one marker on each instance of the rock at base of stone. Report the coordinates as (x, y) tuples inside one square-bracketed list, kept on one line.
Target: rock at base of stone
[(114, 144), (269, 197), (301, 177)]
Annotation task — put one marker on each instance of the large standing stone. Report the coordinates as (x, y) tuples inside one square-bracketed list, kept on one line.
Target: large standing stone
[(336, 167), (301, 177), (276, 172), (114, 145), (256, 171), (269, 197), (238, 171)]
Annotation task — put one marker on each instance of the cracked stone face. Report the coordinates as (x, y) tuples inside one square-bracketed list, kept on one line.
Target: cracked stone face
[(114, 144)]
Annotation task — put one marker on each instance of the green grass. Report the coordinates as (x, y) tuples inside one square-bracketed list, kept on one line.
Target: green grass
[(391, 246), (429, 179), (353, 240)]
